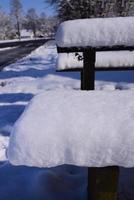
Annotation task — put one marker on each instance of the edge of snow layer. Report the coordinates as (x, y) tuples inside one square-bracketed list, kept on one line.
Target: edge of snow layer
[(81, 128), (96, 32)]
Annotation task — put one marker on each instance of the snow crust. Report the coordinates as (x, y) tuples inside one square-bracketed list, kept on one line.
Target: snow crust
[(82, 128), (96, 32), (103, 59)]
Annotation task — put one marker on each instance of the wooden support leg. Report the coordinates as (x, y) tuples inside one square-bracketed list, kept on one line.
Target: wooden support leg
[(91, 188), (88, 83), (103, 183), (82, 80), (88, 80)]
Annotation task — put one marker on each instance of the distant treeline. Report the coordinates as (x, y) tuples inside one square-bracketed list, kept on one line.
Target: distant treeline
[(17, 24)]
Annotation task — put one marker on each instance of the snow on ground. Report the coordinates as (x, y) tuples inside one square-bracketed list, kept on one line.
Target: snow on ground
[(29, 76), (19, 82), (7, 48), (96, 32), (13, 40), (18, 40)]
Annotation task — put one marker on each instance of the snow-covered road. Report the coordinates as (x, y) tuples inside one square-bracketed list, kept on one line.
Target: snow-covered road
[(12, 54)]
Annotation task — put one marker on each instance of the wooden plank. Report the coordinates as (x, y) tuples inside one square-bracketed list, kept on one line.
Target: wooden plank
[(88, 70), (70, 70), (82, 49), (127, 68), (121, 68)]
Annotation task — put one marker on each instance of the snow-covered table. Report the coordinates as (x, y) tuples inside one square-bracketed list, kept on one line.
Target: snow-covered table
[(94, 129)]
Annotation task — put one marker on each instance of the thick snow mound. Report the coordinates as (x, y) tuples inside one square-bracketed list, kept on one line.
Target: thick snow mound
[(82, 128), (103, 59), (96, 32)]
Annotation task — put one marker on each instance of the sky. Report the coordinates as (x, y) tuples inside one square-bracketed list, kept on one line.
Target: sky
[(39, 5)]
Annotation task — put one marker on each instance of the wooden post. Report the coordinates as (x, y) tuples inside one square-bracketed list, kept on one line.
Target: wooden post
[(88, 74), (91, 184), (81, 80), (88, 83)]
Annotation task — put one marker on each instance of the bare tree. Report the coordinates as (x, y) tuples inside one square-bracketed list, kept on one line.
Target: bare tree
[(16, 11), (32, 21)]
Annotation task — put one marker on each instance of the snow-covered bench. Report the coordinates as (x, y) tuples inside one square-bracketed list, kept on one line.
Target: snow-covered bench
[(93, 129), (97, 40), (93, 37)]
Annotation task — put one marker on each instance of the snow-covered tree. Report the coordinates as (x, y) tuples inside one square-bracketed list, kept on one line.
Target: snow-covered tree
[(52, 23), (42, 24), (125, 8), (32, 21), (75, 9), (70, 9), (16, 13), (47, 25), (6, 28)]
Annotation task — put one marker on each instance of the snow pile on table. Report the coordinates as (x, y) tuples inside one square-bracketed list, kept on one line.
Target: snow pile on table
[(75, 127), (96, 32), (103, 59)]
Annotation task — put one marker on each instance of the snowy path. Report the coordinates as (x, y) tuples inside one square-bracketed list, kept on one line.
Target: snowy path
[(19, 82)]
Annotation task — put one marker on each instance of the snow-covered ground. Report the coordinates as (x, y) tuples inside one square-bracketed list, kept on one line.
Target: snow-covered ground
[(18, 40), (7, 48), (19, 82)]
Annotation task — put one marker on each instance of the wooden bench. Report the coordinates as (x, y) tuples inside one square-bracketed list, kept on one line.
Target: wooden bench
[(89, 59)]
